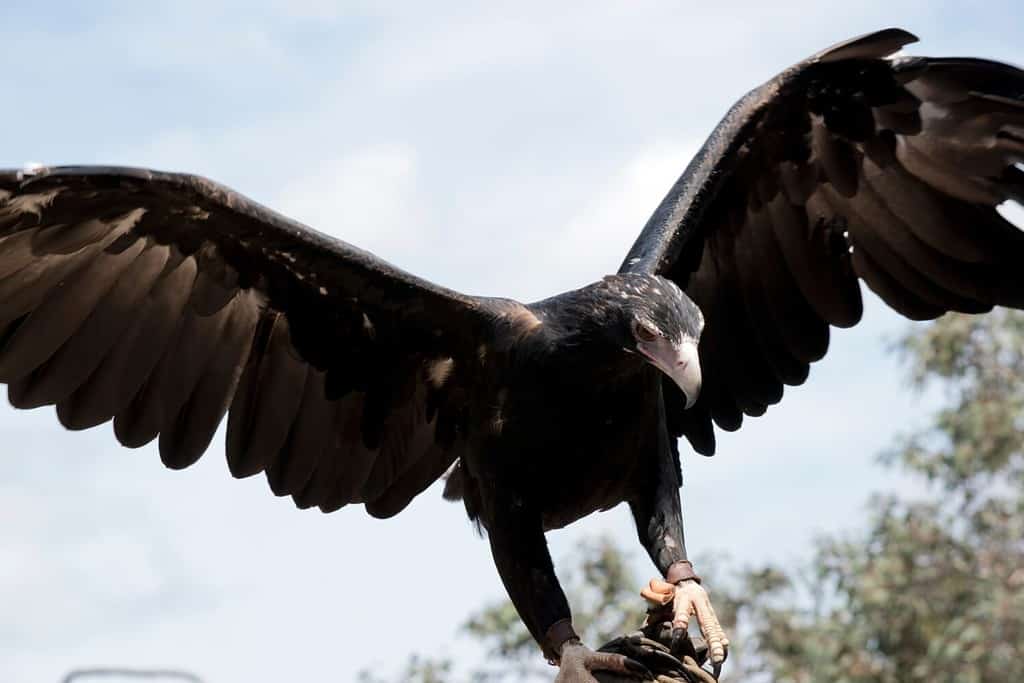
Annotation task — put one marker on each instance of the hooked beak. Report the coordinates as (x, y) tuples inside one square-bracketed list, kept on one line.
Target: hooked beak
[(680, 362)]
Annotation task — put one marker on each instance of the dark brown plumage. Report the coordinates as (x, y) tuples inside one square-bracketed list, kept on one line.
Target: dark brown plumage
[(847, 166), (162, 302)]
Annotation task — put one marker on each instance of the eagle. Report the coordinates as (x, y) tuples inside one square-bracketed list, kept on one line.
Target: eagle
[(163, 302)]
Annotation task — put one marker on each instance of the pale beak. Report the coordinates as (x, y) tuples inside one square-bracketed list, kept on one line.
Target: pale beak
[(678, 361)]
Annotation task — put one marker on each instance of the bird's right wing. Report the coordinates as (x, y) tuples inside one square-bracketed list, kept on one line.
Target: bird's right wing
[(848, 166), (162, 300)]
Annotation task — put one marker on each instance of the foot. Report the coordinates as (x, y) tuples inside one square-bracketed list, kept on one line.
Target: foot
[(578, 661), (677, 603)]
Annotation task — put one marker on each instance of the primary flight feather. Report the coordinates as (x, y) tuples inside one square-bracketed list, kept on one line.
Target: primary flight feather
[(164, 301)]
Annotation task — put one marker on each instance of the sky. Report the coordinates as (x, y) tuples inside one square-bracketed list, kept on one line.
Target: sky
[(498, 152)]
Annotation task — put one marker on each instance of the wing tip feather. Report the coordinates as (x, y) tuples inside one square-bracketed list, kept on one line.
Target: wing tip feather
[(874, 45)]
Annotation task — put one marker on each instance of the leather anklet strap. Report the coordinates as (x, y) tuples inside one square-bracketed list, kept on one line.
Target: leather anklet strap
[(556, 636), (681, 571)]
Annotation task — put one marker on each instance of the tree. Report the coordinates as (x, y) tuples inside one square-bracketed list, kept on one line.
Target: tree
[(416, 670), (933, 590)]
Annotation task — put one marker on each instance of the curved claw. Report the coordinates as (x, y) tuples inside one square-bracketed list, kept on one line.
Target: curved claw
[(699, 673), (577, 661), (689, 599)]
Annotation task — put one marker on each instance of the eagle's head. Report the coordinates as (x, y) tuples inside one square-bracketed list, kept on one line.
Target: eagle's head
[(659, 323)]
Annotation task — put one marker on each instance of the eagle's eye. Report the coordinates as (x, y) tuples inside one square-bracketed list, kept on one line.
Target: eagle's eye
[(644, 332)]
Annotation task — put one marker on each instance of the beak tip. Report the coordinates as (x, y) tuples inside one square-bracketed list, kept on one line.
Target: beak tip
[(689, 377)]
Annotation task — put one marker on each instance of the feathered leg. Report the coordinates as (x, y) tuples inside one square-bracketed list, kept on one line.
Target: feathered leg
[(659, 522), (524, 563)]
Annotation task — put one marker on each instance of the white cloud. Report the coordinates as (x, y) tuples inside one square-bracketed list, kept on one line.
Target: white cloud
[(595, 241), (369, 198)]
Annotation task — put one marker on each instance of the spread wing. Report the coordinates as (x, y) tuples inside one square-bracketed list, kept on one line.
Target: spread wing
[(163, 301), (846, 167)]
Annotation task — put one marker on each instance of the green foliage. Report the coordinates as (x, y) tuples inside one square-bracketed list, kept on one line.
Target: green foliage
[(417, 670), (933, 589), (975, 439)]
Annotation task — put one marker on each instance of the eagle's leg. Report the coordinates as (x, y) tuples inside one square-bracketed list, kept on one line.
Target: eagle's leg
[(524, 564), (659, 524)]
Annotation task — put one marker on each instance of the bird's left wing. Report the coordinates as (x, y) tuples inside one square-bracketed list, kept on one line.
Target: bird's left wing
[(162, 300), (847, 166)]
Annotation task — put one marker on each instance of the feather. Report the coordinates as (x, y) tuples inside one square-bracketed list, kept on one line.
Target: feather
[(696, 423), (881, 247), (191, 433), (16, 253), (61, 313), (406, 438), (868, 46), (764, 323), (897, 121), (300, 464), (1011, 183), (77, 359), (357, 458), (174, 378), (943, 82), (72, 364), (802, 331), (749, 376), (309, 437), (837, 159), (210, 295), (724, 410), (797, 180), (351, 460), (941, 222), (413, 481), (885, 286), (966, 281), (23, 290), (320, 484), (753, 384), (817, 270), (124, 370), (67, 239), (266, 403), (911, 152), (730, 366)]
